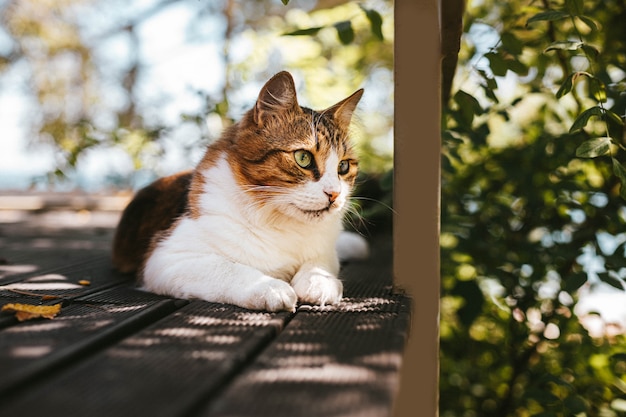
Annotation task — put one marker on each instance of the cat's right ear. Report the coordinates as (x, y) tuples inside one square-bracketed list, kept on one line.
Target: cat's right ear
[(277, 95)]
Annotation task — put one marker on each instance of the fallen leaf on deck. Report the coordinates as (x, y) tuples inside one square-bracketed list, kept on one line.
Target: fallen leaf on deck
[(29, 311), (46, 297)]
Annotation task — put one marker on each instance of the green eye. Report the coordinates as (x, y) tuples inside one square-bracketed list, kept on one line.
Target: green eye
[(303, 158), (344, 167)]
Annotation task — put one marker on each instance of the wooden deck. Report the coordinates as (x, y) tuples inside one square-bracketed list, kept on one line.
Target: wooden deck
[(117, 351)]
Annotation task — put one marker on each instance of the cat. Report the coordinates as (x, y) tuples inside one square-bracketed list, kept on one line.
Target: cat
[(258, 222)]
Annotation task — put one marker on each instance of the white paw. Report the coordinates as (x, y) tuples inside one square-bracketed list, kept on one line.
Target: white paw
[(352, 246), (270, 295), (316, 286)]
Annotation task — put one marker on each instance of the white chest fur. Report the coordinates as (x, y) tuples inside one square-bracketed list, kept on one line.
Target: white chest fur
[(233, 225), (245, 254)]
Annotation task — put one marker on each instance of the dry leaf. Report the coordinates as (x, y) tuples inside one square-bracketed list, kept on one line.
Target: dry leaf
[(84, 282), (29, 311), (46, 297)]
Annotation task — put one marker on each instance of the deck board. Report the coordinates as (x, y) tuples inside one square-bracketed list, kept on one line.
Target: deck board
[(31, 350), (339, 361), (164, 370), (117, 351)]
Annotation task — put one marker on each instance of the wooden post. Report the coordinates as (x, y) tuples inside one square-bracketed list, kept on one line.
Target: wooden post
[(416, 198)]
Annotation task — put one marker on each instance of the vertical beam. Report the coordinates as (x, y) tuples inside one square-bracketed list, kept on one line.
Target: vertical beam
[(416, 197)]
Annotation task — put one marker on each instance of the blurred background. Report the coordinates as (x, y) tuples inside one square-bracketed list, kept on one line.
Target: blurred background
[(108, 95)]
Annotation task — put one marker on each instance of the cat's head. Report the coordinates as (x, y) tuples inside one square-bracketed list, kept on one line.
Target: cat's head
[(292, 159)]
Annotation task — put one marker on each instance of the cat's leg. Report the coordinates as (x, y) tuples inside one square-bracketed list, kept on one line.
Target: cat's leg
[(316, 285), (213, 278)]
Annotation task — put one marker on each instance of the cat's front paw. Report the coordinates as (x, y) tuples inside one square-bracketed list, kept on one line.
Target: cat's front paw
[(316, 286), (270, 295)]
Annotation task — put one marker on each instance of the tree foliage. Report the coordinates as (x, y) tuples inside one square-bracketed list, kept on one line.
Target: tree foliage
[(532, 179)]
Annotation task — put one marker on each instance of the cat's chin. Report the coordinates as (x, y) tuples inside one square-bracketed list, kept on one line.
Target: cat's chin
[(307, 215)]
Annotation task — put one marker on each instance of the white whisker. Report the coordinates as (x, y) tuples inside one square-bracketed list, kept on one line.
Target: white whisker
[(354, 217), (375, 201)]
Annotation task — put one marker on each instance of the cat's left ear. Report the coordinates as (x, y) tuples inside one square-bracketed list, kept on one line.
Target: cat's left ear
[(277, 95), (342, 111)]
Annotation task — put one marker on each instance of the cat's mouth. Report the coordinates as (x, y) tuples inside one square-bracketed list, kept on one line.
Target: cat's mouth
[(311, 213), (316, 213)]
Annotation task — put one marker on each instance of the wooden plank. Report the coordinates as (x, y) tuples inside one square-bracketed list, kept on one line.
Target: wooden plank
[(123, 352), (184, 364), (31, 351), (28, 262), (65, 280), (93, 268), (165, 370), (333, 361), (339, 360), (26, 249)]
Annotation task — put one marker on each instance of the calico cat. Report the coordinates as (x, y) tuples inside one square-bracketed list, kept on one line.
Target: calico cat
[(257, 222)]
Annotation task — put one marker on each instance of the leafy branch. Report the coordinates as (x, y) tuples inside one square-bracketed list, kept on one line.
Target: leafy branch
[(596, 146), (344, 28)]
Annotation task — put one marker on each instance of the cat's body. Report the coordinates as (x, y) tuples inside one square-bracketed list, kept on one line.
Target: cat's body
[(256, 223)]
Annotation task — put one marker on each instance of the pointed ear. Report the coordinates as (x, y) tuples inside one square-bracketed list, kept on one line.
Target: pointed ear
[(278, 94), (342, 111)]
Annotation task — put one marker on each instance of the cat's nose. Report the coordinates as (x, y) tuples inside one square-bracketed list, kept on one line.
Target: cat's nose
[(332, 196)]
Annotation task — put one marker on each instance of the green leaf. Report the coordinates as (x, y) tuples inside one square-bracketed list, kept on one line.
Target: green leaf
[(563, 46), (549, 15), (468, 106), (575, 281), (589, 22), (594, 148), (591, 51), (489, 92), (491, 82), (497, 64), (285, 2), (376, 22), (611, 280), (304, 32), (597, 90), (345, 32), (566, 87), (614, 117), (511, 43), (620, 172), (583, 118), (516, 66), (568, 83)]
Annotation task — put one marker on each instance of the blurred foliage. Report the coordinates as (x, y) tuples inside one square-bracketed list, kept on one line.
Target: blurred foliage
[(84, 66), (532, 172)]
